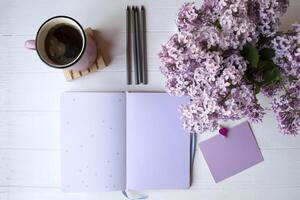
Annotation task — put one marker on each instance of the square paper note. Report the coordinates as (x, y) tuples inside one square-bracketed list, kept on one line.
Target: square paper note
[(228, 156)]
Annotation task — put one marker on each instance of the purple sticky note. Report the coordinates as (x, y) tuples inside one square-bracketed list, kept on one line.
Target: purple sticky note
[(228, 156)]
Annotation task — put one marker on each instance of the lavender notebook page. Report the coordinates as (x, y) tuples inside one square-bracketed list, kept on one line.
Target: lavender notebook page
[(228, 156), (93, 141), (158, 149)]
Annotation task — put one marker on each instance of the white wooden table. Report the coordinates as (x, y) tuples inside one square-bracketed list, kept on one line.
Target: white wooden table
[(29, 106)]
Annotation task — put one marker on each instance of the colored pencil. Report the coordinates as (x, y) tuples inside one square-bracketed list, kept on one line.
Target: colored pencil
[(138, 43), (135, 46), (128, 44), (143, 45)]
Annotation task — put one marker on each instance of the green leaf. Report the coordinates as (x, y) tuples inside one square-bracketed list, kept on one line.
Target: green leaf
[(271, 76), (267, 65), (217, 24), (267, 53), (250, 53)]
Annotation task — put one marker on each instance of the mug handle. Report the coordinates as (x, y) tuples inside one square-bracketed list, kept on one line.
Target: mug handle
[(30, 44)]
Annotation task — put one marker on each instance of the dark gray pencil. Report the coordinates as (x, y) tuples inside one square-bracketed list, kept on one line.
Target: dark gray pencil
[(138, 43), (128, 44), (135, 46), (144, 45), (138, 30)]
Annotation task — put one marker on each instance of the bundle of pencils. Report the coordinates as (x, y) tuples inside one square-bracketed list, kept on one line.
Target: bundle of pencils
[(136, 44)]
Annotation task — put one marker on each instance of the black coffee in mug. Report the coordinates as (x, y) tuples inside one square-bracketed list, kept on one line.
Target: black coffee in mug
[(63, 44)]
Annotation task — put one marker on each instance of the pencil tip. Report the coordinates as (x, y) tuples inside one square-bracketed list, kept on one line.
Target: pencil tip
[(142, 8)]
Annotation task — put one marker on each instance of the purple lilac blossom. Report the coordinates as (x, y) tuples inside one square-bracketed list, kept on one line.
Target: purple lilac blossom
[(287, 57), (286, 109), (203, 61), (269, 14)]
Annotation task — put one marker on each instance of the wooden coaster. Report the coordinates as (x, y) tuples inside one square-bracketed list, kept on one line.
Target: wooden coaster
[(99, 64)]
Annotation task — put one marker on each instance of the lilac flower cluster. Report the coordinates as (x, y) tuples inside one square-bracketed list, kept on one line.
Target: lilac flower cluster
[(286, 109), (203, 60), (269, 13), (287, 48), (286, 105)]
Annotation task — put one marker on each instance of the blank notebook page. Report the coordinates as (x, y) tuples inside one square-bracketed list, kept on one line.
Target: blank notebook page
[(93, 141), (158, 149)]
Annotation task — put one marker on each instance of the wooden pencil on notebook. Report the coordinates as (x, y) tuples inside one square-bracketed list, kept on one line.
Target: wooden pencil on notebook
[(128, 44)]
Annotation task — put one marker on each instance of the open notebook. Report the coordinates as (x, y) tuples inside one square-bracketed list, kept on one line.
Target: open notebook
[(118, 141)]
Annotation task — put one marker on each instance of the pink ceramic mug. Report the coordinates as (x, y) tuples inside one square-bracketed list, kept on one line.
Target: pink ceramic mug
[(85, 58)]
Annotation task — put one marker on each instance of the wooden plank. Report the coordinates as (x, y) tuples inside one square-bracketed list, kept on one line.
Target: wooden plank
[(35, 90), (40, 131), (94, 68), (85, 72), (15, 58), (29, 130), (42, 169), (17, 193), (30, 168), (35, 94), (16, 11), (100, 63), (41, 91)]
